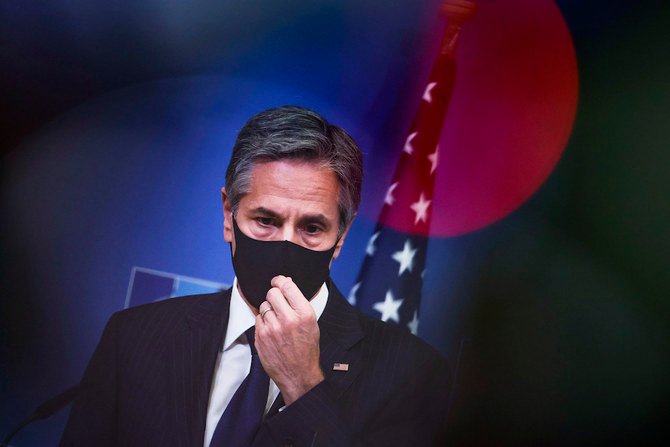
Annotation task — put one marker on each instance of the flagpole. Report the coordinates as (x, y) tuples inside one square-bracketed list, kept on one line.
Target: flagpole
[(391, 278)]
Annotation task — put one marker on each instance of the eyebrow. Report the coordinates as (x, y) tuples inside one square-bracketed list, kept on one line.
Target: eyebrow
[(307, 219), (267, 212)]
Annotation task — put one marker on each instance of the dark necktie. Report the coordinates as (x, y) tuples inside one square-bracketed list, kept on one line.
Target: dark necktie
[(243, 415)]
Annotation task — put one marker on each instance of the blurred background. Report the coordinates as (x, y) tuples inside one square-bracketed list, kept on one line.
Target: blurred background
[(545, 284)]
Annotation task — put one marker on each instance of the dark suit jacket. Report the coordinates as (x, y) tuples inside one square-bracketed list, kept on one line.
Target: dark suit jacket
[(148, 381)]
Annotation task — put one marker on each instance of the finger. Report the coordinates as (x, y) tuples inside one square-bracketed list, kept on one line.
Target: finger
[(294, 296), (278, 280), (279, 303), (265, 312), (263, 306), (270, 320)]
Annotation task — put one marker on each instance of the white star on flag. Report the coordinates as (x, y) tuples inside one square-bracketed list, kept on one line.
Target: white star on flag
[(421, 209), (389, 308), (389, 199), (408, 144), (433, 159), (352, 293), (414, 324), (405, 257), (429, 89), (370, 249)]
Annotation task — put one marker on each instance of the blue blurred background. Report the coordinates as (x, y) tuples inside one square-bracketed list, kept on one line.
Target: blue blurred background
[(117, 120)]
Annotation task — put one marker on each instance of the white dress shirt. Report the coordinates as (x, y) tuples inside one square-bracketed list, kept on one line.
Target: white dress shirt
[(234, 359)]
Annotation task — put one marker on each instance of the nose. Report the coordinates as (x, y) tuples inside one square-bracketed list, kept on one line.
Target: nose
[(290, 233)]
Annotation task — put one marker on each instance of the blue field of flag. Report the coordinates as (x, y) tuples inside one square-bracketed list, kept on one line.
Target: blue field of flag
[(148, 286)]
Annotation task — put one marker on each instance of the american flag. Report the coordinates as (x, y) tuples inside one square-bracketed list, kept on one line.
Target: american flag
[(390, 281)]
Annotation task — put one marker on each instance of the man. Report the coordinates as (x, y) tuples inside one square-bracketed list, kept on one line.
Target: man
[(281, 358)]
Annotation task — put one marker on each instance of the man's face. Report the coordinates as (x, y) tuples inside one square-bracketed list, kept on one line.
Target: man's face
[(288, 200)]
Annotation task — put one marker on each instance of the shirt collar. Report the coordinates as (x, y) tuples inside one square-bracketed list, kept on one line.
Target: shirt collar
[(242, 318)]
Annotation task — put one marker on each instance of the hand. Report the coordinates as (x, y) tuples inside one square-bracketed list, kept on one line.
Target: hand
[(287, 340)]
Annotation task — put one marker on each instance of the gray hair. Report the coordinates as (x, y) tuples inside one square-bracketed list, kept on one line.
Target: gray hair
[(297, 133)]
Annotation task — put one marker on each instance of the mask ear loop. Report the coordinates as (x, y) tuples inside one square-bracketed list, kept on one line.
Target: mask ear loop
[(236, 229), (234, 216)]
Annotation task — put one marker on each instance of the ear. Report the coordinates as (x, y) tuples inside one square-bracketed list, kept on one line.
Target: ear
[(227, 217), (338, 247)]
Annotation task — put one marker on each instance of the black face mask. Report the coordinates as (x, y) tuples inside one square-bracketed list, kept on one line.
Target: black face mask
[(257, 262)]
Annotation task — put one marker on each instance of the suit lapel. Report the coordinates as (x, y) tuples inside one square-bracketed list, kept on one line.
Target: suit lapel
[(191, 361), (340, 331)]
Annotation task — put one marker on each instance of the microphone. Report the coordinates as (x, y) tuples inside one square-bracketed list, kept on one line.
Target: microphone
[(45, 410)]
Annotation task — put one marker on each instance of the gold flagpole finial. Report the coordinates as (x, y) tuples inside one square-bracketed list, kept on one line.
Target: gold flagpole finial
[(457, 13)]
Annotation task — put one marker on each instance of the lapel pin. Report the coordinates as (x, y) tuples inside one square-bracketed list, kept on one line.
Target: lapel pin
[(340, 367)]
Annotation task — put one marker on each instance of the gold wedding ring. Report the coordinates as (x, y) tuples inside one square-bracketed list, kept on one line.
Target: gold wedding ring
[(266, 311)]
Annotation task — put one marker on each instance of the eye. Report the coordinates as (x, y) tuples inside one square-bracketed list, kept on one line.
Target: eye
[(265, 221), (312, 229)]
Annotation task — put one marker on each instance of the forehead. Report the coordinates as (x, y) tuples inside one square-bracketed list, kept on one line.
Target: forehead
[(291, 187)]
